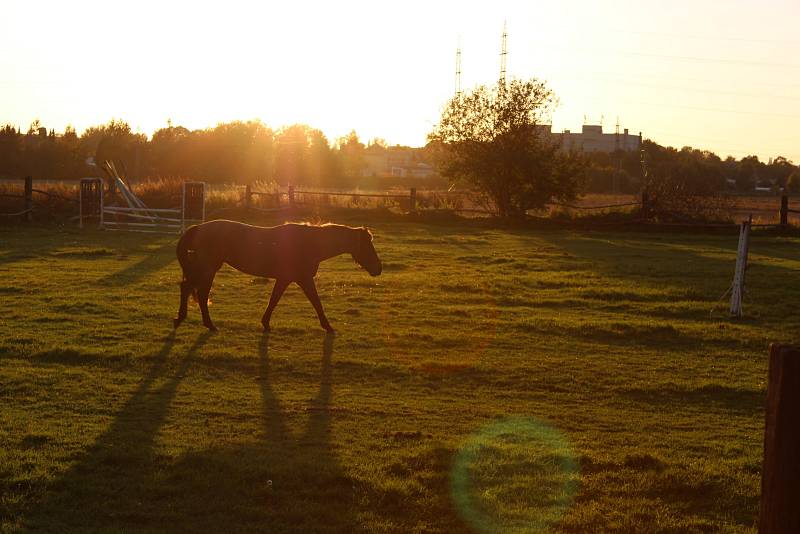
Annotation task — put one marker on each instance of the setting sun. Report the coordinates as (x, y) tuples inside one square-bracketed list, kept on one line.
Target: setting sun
[(718, 76)]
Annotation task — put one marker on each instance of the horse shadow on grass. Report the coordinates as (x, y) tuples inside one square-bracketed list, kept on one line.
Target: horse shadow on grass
[(281, 483), (104, 488), (154, 260), (285, 483)]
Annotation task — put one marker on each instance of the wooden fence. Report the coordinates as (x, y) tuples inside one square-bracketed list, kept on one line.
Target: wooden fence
[(291, 195), (412, 199), (28, 203), (772, 211)]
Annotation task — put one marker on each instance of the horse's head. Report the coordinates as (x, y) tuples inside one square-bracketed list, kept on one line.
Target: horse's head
[(364, 253)]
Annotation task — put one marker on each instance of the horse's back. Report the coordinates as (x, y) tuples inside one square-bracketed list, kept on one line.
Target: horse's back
[(276, 251)]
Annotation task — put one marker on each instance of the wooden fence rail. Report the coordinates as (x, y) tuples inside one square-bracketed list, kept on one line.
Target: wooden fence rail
[(291, 193), (27, 198), (412, 197), (28, 202)]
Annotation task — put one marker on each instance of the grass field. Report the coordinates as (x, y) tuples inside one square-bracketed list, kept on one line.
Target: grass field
[(490, 379)]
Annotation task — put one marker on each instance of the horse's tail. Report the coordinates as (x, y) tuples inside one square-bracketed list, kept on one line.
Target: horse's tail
[(186, 257)]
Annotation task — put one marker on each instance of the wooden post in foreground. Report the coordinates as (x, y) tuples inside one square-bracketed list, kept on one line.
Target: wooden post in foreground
[(248, 194), (784, 210), (28, 198), (780, 475), (291, 196), (412, 205)]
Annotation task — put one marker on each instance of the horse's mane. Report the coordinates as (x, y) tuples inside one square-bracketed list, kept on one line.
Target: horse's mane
[(334, 225)]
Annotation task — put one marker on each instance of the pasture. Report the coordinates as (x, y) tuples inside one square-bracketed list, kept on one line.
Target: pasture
[(489, 379)]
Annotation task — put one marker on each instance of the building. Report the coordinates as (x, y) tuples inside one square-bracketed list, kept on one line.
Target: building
[(395, 161), (592, 139)]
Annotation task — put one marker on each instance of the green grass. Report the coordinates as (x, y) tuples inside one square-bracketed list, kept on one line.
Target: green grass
[(494, 379)]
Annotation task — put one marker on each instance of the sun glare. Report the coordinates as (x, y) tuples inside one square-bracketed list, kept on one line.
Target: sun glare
[(386, 71)]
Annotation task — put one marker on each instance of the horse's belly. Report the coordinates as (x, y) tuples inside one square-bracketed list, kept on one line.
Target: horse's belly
[(255, 266)]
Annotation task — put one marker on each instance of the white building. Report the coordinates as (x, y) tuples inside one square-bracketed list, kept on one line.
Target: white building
[(396, 161), (592, 139)]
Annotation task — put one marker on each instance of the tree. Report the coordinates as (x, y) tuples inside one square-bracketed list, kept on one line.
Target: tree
[(793, 182), (490, 139), (351, 154), (303, 156), (747, 175)]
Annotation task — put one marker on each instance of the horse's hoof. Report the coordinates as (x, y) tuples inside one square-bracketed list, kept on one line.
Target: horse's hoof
[(211, 328)]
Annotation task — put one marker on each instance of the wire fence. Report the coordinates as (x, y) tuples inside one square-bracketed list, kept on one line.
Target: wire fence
[(765, 211)]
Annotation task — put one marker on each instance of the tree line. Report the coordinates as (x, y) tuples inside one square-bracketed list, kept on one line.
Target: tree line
[(233, 152), (486, 139), (700, 172)]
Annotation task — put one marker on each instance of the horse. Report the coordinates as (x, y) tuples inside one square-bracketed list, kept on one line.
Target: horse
[(288, 253)]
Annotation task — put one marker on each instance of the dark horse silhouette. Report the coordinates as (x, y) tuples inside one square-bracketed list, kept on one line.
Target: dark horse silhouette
[(288, 253)]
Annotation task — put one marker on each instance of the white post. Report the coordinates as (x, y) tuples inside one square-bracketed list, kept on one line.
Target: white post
[(737, 292)]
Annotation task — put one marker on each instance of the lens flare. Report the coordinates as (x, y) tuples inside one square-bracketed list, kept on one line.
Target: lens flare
[(515, 475)]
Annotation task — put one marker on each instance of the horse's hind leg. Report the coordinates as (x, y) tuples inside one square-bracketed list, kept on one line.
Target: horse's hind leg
[(203, 290), (186, 290)]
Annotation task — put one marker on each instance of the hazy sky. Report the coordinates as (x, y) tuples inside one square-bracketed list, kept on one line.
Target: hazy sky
[(722, 75)]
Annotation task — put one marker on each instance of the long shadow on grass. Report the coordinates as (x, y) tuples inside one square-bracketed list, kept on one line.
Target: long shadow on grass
[(308, 489), (23, 244), (740, 401), (284, 482), (109, 486), (670, 267), (154, 260)]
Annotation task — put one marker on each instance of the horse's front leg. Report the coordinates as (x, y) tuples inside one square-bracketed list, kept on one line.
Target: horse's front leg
[(308, 287), (277, 292)]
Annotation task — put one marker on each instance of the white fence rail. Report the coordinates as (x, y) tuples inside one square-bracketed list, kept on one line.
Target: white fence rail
[(158, 220)]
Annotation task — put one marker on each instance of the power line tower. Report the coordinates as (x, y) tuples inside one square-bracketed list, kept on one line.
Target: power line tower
[(503, 55), (458, 69)]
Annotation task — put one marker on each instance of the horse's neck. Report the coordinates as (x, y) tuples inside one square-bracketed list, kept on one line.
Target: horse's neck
[(333, 244)]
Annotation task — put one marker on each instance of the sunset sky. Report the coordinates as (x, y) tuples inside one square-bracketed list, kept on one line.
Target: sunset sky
[(720, 75)]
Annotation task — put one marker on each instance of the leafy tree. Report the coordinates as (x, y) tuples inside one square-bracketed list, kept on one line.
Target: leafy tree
[(489, 138), (114, 141), (303, 156), (778, 171), (10, 151), (351, 154), (793, 182), (747, 174)]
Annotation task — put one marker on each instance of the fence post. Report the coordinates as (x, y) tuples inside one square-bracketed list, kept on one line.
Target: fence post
[(784, 210), (91, 199), (28, 197), (645, 204), (291, 196), (248, 193), (412, 205), (780, 476)]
